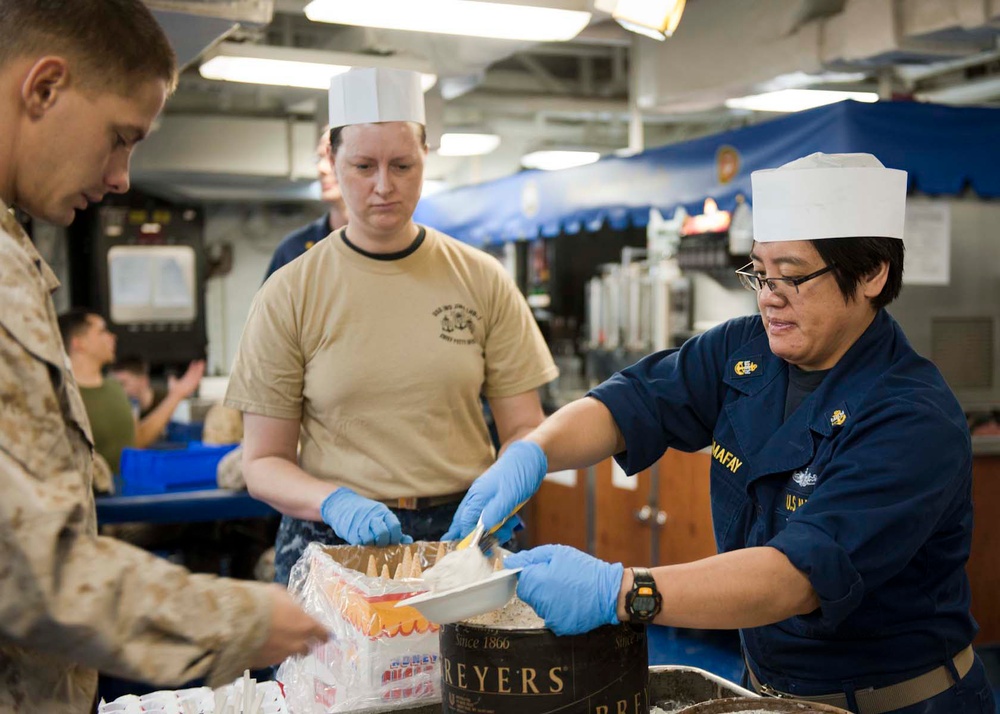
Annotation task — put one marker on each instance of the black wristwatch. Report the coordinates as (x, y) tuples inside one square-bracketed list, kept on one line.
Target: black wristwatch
[(643, 601)]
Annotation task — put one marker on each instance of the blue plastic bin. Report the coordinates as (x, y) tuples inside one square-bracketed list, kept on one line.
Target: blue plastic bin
[(184, 433), (148, 471)]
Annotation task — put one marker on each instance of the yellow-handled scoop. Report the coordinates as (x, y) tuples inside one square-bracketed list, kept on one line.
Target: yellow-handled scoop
[(477, 533)]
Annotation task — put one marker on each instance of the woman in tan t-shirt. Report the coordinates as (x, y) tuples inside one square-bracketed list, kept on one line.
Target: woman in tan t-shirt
[(373, 350)]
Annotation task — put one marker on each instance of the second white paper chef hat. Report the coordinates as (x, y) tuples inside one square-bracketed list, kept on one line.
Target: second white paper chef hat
[(828, 196), (368, 95)]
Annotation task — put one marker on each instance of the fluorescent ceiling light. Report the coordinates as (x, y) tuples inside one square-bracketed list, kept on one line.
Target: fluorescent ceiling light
[(979, 91), (653, 18), (796, 100), (455, 17), (291, 67), (457, 144), (280, 73), (804, 80), (555, 160)]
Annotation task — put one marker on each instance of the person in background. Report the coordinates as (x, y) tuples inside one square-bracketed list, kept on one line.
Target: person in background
[(81, 82), (298, 242), (373, 349), (841, 477), (133, 374), (91, 348)]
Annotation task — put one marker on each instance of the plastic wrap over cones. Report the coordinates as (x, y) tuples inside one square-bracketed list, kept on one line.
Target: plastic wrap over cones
[(379, 656)]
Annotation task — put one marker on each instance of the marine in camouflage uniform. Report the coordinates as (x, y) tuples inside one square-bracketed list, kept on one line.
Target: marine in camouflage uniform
[(68, 595)]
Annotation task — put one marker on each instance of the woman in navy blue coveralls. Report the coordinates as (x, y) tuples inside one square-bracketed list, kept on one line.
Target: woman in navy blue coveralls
[(841, 472)]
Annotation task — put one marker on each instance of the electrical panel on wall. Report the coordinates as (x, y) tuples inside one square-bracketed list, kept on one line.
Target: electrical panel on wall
[(141, 264)]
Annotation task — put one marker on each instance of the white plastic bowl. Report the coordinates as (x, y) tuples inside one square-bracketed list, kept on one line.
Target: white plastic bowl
[(466, 601)]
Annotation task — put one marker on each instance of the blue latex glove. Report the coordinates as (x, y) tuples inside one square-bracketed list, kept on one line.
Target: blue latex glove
[(360, 520), (573, 592), (505, 485)]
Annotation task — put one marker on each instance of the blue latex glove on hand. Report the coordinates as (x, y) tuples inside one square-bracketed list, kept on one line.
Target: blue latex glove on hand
[(573, 592), (360, 520), (505, 485)]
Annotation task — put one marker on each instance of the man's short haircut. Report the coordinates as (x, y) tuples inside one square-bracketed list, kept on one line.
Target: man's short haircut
[(857, 258), (74, 322), (133, 365), (116, 43)]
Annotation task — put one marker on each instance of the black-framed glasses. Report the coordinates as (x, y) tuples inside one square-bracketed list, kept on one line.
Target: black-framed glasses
[(755, 283)]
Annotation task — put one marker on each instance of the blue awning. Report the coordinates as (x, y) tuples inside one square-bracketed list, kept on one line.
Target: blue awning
[(944, 150)]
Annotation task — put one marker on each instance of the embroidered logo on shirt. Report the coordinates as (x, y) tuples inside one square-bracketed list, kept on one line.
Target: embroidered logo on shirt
[(725, 457), (456, 320), (838, 418), (804, 478), (745, 367), (793, 502)]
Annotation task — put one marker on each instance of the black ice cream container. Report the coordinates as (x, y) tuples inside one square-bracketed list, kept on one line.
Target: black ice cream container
[(490, 670)]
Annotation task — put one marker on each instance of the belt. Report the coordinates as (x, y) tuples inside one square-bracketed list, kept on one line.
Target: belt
[(884, 699), (415, 503)]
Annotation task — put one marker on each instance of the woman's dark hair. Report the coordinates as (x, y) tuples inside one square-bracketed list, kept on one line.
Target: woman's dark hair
[(857, 258), (335, 138)]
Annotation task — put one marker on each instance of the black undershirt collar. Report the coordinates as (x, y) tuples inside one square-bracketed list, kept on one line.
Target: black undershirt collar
[(800, 385), (398, 255)]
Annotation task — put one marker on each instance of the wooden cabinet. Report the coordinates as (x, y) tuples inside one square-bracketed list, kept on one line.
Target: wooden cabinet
[(621, 537), (984, 562), (659, 516), (686, 533), (557, 513)]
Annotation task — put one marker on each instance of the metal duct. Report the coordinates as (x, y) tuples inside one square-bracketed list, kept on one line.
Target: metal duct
[(195, 25)]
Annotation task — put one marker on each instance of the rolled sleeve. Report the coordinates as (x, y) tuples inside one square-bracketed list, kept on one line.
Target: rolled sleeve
[(631, 408), (827, 565), (670, 399)]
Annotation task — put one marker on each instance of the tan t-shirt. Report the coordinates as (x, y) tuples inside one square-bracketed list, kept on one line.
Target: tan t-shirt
[(384, 361)]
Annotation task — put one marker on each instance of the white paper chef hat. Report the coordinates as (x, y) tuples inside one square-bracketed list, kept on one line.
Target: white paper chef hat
[(828, 196), (367, 95)]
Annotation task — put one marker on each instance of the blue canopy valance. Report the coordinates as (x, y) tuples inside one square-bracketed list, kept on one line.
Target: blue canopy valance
[(944, 150)]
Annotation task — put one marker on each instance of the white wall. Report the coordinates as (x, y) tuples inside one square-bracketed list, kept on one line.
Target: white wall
[(973, 290), (253, 232)]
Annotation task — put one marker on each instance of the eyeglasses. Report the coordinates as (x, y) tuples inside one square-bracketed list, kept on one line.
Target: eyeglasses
[(755, 283)]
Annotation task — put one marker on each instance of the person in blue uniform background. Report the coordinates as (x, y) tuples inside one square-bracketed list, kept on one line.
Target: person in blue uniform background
[(299, 241), (841, 468)]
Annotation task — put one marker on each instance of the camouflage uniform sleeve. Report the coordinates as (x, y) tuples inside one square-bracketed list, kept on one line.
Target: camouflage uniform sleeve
[(96, 601)]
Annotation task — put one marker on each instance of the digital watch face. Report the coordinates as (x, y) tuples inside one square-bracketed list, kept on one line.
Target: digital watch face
[(643, 606), (643, 602)]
